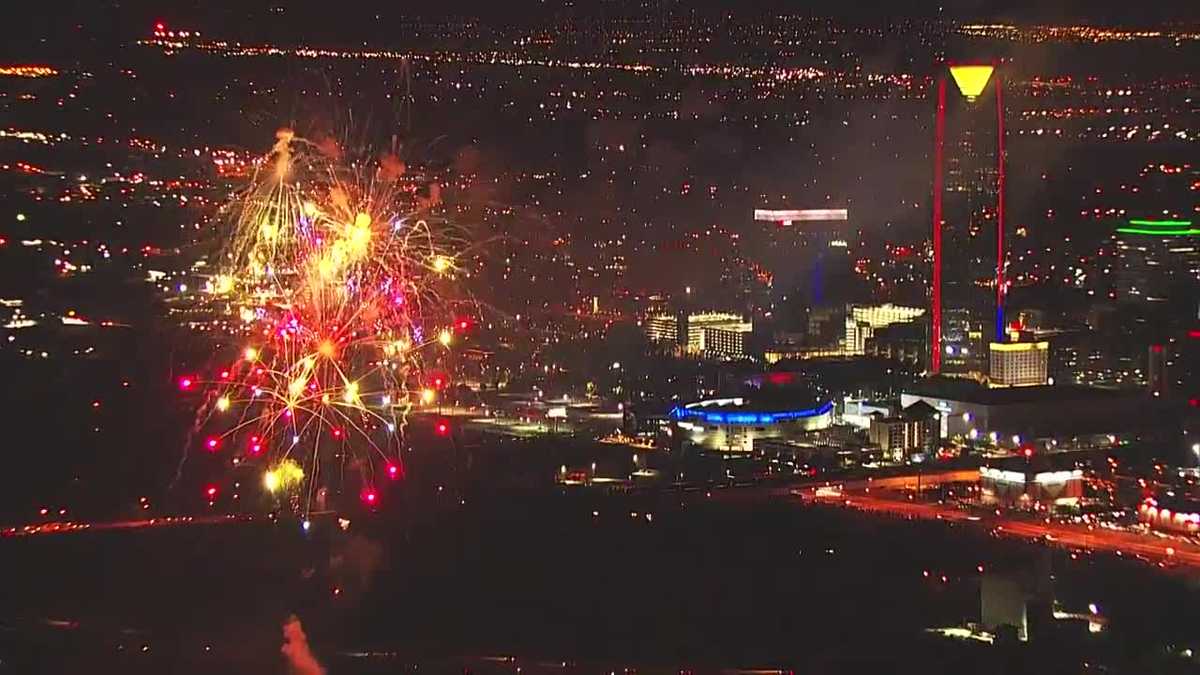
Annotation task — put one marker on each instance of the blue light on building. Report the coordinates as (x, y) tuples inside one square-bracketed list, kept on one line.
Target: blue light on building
[(757, 418)]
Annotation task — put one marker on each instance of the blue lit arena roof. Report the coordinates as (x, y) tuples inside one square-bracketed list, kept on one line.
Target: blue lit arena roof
[(742, 411)]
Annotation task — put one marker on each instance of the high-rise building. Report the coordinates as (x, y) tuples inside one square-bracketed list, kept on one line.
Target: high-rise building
[(1019, 364), (1155, 258), (662, 328), (863, 320), (726, 344), (719, 335), (801, 247), (968, 220), (906, 342)]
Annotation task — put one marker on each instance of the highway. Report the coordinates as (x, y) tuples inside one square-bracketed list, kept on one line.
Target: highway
[(875, 495), (1085, 537), (63, 527)]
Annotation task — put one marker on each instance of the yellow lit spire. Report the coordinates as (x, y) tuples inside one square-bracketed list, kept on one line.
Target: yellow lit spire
[(971, 79)]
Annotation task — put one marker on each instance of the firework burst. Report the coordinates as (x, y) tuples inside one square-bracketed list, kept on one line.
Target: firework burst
[(338, 272)]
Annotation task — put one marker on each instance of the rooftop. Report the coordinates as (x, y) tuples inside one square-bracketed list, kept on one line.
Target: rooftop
[(973, 392)]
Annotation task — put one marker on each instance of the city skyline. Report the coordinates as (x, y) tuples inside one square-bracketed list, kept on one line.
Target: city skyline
[(584, 337)]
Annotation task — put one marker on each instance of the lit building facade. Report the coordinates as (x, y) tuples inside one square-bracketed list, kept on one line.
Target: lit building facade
[(1015, 486), (863, 320), (1019, 364), (968, 285), (718, 335), (726, 344), (916, 430), (1154, 257), (663, 328)]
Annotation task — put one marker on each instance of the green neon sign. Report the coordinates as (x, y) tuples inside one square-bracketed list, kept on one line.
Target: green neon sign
[(1159, 232), (1161, 223)]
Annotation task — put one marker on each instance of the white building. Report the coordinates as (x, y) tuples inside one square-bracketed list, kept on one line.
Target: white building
[(663, 328), (726, 344), (1019, 364), (718, 335)]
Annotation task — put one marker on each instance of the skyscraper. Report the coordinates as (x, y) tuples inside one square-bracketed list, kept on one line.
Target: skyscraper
[(967, 295), (799, 246), (1157, 259)]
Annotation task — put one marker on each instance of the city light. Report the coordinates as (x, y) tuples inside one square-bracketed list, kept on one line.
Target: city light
[(543, 249)]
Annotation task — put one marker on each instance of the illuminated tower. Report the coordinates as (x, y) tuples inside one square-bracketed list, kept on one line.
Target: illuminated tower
[(968, 286)]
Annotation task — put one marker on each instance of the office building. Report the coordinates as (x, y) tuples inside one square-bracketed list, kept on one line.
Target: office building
[(906, 342), (915, 430), (662, 328), (863, 320), (1156, 257), (717, 335), (1019, 364), (726, 344), (800, 247), (973, 411), (968, 285)]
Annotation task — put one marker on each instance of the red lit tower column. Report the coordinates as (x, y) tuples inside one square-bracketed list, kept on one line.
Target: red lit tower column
[(972, 81)]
